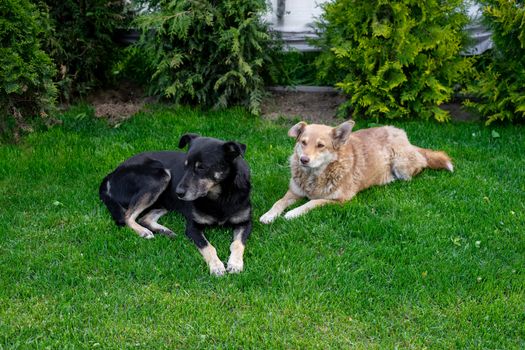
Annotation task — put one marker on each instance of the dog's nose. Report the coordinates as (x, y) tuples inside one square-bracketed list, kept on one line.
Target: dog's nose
[(180, 192), (304, 160)]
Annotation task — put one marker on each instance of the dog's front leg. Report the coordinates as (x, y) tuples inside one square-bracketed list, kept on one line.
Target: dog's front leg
[(240, 235), (195, 232), (279, 206), (307, 207)]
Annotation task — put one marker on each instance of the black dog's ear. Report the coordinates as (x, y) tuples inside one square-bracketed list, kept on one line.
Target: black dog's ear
[(296, 130), (243, 148), (186, 139), (341, 132), (233, 149)]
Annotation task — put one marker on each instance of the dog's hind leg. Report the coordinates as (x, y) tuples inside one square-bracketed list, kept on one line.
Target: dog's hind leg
[(240, 235), (407, 163), (149, 220), (140, 202), (152, 187)]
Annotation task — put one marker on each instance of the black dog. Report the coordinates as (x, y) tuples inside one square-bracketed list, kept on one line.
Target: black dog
[(209, 185)]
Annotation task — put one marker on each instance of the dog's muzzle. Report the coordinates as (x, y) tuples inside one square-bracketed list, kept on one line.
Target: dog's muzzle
[(181, 193), (189, 193)]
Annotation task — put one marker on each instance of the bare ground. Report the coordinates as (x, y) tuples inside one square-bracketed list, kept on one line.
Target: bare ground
[(118, 104), (320, 107)]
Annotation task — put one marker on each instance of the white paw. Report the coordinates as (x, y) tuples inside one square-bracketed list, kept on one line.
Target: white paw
[(235, 265), (147, 234), (267, 218), (217, 268), (292, 214)]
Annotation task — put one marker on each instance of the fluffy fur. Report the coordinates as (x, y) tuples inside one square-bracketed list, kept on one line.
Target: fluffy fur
[(209, 185), (331, 165)]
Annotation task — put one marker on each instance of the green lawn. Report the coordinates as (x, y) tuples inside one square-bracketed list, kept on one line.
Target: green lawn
[(435, 263)]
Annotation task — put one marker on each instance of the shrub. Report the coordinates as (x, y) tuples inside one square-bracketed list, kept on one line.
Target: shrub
[(393, 58), (82, 42), (26, 71), (500, 87), (294, 68), (134, 65), (209, 52)]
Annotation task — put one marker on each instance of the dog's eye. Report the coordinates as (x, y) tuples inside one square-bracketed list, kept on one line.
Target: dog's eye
[(303, 142), (320, 145), (199, 166)]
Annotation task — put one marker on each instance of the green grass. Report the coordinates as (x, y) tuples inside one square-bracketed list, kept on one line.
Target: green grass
[(436, 263)]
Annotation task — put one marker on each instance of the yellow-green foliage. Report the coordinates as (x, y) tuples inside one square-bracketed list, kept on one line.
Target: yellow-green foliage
[(393, 58), (500, 87)]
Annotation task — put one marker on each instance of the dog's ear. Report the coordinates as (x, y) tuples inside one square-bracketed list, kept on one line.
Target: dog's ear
[(341, 132), (296, 130), (186, 139), (243, 148), (233, 149)]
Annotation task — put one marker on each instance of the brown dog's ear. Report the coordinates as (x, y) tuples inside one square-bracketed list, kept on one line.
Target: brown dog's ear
[(186, 139), (296, 130), (341, 132)]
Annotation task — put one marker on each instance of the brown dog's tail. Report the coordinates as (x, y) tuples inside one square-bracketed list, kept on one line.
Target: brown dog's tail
[(437, 159)]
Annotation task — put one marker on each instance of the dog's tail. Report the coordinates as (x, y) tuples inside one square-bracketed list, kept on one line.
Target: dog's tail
[(116, 210), (437, 159)]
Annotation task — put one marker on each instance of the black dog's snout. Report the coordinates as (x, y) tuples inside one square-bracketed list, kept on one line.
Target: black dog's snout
[(181, 192), (304, 159)]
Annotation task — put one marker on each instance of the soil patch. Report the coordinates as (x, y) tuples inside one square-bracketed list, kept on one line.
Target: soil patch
[(121, 103), (321, 107), (118, 104), (459, 113), (318, 107)]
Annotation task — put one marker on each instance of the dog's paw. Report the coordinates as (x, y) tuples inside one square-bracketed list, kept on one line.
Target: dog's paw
[(217, 268), (147, 234), (268, 218), (235, 265), (292, 214), (167, 233)]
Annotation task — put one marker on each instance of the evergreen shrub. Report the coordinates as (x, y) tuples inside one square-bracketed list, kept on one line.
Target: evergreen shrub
[(394, 59), (500, 87), (82, 42), (26, 71), (291, 68), (208, 52)]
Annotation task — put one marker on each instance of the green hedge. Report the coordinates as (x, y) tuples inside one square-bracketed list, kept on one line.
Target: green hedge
[(82, 42), (205, 52), (394, 59), (26, 71), (500, 85)]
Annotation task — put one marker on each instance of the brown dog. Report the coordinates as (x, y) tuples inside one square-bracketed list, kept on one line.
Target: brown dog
[(330, 165)]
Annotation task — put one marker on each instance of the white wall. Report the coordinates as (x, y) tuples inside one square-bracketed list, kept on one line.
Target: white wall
[(298, 14)]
